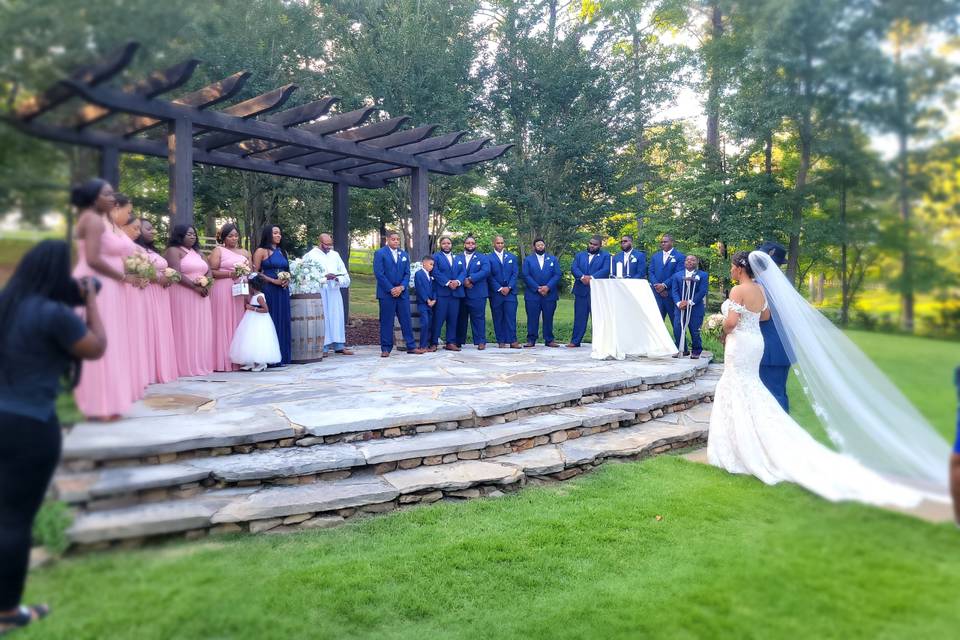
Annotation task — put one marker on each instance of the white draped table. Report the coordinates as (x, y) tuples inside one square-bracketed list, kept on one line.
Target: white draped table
[(626, 321)]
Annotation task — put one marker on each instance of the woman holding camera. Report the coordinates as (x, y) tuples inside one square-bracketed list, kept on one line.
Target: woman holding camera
[(108, 386), (43, 340)]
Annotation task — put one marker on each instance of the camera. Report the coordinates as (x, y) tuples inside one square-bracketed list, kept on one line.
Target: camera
[(76, 297)]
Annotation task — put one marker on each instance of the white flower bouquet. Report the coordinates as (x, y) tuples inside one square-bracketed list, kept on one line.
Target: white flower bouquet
[(306, 276), (714, 325), (416, 266), (241, 269)]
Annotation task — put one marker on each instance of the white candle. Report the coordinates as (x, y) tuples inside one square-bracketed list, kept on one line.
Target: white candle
[(619, 269)]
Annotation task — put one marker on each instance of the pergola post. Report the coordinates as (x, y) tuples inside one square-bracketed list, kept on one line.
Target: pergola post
[(419, 212), (110, 165), (341, 236), (180, 163)]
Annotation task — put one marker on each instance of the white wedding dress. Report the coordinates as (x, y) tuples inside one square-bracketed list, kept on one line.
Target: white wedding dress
[(751, 434)]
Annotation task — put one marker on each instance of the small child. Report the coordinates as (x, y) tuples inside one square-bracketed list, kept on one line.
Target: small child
[(255, 343), (425, 287)]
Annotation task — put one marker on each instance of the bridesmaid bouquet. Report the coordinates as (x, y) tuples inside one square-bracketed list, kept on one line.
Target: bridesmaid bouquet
[(172, 275), (714, 324), (241, 269), (204, 282), (139, 265), (283, 276)]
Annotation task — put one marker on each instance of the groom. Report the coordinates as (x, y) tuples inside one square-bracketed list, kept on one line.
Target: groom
[(775, 365)]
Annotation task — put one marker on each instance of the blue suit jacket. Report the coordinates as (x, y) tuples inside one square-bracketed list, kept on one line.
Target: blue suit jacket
[(774, 353), (443, 273), (599, 267), (503, 275), (390, 274), (638, 265), (699, 289), (535, 277), (425, 287), (478, 271), (659, 273)]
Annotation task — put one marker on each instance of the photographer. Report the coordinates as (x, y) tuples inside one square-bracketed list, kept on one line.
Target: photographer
[(955, 459), (43, 341)]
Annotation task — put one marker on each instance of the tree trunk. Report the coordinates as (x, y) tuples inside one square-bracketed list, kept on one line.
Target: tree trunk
[(793, 261), (639, 137), (906, 276), (768, 154)]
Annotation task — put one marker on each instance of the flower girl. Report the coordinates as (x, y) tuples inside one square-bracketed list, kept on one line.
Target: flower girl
[(255, 343)]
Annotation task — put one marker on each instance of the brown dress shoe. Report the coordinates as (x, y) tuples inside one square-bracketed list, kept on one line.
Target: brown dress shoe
[(529, 345), (515, 345), (345, 352), (416, 352), (571, 345), (432, 349), (553, 343), (481, 347), (384, 354), (452, 347)]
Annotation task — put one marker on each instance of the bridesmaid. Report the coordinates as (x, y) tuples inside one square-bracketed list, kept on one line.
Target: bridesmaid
[(270, 259), (135, 298), (227, 308), (190, 304), (159, 327), (105, 391)]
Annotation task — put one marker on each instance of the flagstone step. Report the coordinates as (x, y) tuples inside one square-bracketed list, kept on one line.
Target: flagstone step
[(305, 408), (124, 486), (323, 504)]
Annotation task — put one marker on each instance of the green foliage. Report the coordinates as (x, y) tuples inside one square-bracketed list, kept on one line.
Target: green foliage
[(50, 527)]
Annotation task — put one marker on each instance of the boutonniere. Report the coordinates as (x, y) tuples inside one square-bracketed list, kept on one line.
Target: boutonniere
[(404, 258), (550, 262), (633, 259)]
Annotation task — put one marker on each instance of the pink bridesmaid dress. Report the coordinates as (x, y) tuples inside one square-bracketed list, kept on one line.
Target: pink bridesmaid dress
[(227, 311), (159, 327), (106, 385), (192, 320), (135, 300)]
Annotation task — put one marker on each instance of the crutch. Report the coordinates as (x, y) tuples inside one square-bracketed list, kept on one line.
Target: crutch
[(685, 313)]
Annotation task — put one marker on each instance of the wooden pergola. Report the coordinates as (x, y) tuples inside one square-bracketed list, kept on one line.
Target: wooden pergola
[(345, 150)]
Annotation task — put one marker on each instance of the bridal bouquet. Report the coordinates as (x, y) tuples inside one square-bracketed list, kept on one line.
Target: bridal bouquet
[(172, 274), (139, 265), (714, 325), (306, 276), (241, 269)]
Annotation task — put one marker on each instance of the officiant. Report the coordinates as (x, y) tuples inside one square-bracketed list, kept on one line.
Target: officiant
[(337, 278)]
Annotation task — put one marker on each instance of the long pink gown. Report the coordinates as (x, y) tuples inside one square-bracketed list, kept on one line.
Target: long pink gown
[(160, 326), (227, 311), (107, 385), (192, 320), (135, 301)]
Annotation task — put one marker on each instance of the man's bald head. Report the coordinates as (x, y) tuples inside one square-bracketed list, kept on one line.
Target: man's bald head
[(326, 242)]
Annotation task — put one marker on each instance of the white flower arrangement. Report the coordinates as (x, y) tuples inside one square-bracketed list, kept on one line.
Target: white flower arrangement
[(416, 266), (307, 276)]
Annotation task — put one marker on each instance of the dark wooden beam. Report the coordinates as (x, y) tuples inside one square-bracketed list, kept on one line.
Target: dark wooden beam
[(312, 158), (91, 75), (199, 99), (287, 118), (341, 235), (363, 134), (386, 142), (420, 212), (484, 155), (432, 144), (180, 163), (376, 167), (263, 103), (390, 174), (333, 124), (457, 150), (156, 83), (110, 165)]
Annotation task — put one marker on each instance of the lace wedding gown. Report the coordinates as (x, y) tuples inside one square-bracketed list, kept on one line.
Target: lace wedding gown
[(750, 433)]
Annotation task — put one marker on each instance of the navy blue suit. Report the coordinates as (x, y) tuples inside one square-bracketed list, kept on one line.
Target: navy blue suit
[(425, 289), (536, 304), (698, 310), (390, 274), (636, 266), (660, 273), (474, 303), (775, 365), (447, 309), (503, 308), (598, 268)]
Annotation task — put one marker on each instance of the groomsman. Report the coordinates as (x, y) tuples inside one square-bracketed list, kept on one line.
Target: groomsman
[(775, 365), (594, 263), (663, 264), (541, 273), (474, 303), (504, 269), (688, 290), (426, 291), (634, 262), (955, 458), (391, 267), (449, 273)]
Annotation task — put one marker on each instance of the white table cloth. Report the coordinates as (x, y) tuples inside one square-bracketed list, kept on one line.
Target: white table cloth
[(626, 321)]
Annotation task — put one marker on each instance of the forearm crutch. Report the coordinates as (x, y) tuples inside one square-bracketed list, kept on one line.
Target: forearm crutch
[(685, 313)]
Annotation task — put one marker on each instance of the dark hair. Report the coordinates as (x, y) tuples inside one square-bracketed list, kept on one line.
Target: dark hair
[(152, 246), (121, 199), (43, 271), (84, 195), (226, 230), (442, 238), (254, 280), (596, 239), (742, 259), (178, 235), (392, 233), (539, 240), (626, 236), (426, 257), (266, 238)]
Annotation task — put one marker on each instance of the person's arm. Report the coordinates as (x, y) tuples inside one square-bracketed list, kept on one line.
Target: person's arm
[(604, 271), (262, 300), (676, 293), (91, 230), (379, 273), (575, 268), (732, 319), (528, 277), (702, 288), (93, 344), (343, 280), (216, 257)]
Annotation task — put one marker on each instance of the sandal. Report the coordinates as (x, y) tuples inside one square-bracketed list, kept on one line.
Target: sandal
[(24, 616)]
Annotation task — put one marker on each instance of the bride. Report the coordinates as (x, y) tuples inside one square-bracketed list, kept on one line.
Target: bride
[(889, 455)]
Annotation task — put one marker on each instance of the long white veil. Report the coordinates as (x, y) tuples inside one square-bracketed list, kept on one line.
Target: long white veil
[(864, 414)]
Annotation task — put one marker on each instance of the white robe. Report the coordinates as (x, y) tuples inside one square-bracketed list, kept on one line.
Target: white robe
[(333, 321)]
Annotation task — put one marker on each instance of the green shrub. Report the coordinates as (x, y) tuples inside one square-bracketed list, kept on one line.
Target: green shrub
[(50, 526)]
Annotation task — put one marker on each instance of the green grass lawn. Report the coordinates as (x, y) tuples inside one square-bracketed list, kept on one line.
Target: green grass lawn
[(730, 557)]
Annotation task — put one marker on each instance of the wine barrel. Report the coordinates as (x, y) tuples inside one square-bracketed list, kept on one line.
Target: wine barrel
[(398, 340), (306, 327)]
